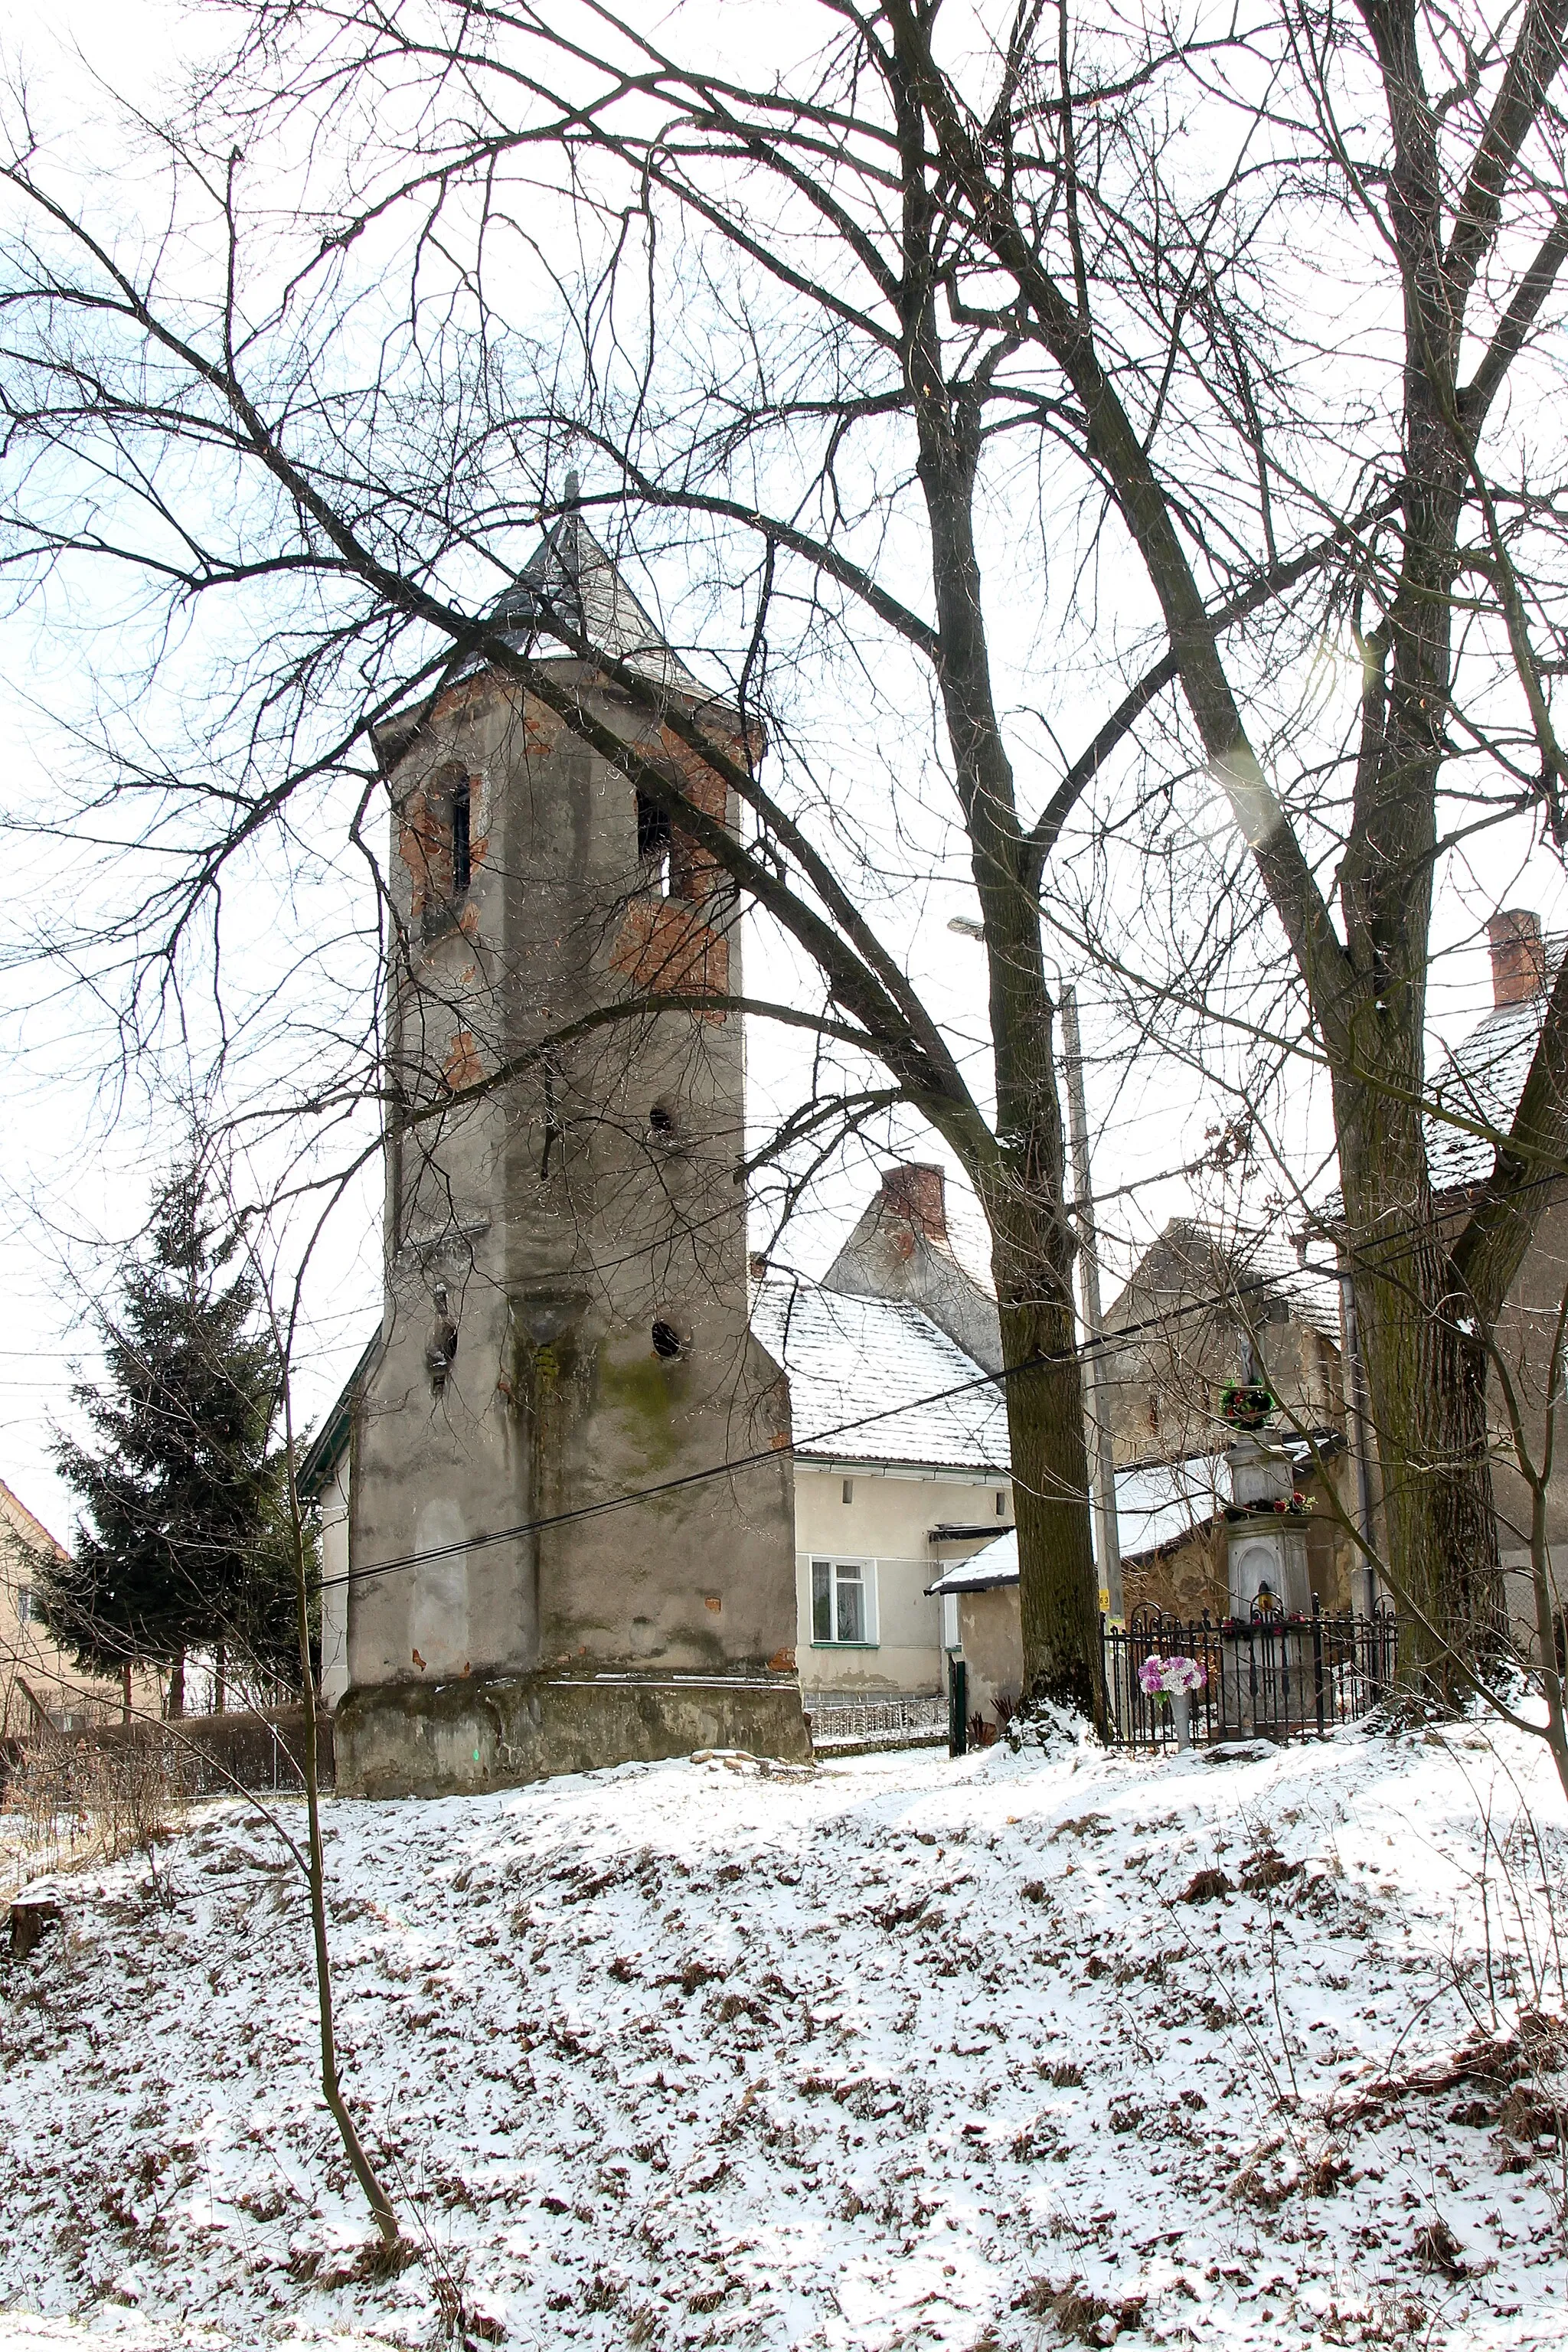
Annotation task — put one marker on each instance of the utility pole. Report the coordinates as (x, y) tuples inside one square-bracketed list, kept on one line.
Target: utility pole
[(1106, 1538)]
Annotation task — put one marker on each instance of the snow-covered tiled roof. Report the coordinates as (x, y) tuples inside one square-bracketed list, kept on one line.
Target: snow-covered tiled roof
[(1268, 1256), (1157, 1504), (1161, 1503), (873, 1380), (1481, 1078), (1164, 1502)]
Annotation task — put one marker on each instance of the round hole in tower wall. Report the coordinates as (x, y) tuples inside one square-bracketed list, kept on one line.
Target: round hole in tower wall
[(666, 1339)]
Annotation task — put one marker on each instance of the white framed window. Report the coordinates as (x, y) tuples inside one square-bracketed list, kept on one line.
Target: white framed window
[(25, 1603), (843, 1604)]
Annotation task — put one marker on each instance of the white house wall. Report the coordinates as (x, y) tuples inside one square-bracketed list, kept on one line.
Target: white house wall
[(887, 1522)]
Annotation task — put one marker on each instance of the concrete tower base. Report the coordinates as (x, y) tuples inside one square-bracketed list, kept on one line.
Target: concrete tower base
[(425, 1739)]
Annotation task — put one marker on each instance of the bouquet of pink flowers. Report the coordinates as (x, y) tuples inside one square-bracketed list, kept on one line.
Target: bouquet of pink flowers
[(1159, 1676)]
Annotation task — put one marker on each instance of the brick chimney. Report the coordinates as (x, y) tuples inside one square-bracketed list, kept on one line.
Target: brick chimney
[(917, 1191), (1519, 956)]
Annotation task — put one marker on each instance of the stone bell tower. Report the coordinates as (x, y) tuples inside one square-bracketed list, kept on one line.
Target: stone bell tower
[(552, 1567)]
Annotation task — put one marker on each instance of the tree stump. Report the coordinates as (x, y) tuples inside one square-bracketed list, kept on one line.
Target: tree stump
[(28, 1921)]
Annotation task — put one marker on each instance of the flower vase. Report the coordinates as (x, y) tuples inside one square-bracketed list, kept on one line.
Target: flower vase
[(1174, 1680)]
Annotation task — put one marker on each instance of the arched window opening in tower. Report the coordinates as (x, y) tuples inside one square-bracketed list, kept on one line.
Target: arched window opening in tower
[(665, 1341), (462, 860), (654, 845)]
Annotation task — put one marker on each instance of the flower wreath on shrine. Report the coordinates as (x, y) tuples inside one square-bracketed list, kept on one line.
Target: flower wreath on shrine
[(1246, 1405), (1297, 1507)]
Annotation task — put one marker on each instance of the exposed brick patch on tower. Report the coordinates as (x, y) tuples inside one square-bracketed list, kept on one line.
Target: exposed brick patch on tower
[(665, 948), (463, 1067)]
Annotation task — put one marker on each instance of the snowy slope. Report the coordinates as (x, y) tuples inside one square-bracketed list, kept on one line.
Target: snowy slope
[(895, 2054)]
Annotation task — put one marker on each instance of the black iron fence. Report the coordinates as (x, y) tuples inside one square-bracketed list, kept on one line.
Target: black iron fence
[(1265, 1677)]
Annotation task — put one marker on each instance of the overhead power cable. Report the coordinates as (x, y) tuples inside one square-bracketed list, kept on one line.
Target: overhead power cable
[(636, 1495)]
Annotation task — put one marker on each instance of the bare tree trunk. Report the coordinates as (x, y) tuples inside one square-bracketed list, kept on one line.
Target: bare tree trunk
[(1424, 1350), (177, 1704), (1024, 1190), (332, 2084), (1548, 1623), (125, 1694), (1536, 1467), (220, 1676), (1031, 1258), (1427, 1378), (1058, 1608)]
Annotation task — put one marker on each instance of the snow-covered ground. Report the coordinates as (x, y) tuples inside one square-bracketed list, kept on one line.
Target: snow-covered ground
[(905, 2052)]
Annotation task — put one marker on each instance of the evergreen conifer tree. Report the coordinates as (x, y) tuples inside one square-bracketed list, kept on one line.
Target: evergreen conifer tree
[(183, 1542)]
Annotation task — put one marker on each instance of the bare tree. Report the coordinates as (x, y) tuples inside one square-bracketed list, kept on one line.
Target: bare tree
[(824, 319), (1461, 200), (1033, 246), (421, 633)]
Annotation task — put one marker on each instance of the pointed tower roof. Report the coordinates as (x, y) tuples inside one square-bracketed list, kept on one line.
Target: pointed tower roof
[(571, 581)]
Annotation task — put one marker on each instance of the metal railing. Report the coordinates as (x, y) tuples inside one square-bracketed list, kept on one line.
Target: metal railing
[(847, 1721), (1265, 1676)]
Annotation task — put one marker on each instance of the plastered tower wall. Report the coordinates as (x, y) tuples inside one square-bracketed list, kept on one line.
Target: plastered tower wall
[(565, 1317)]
